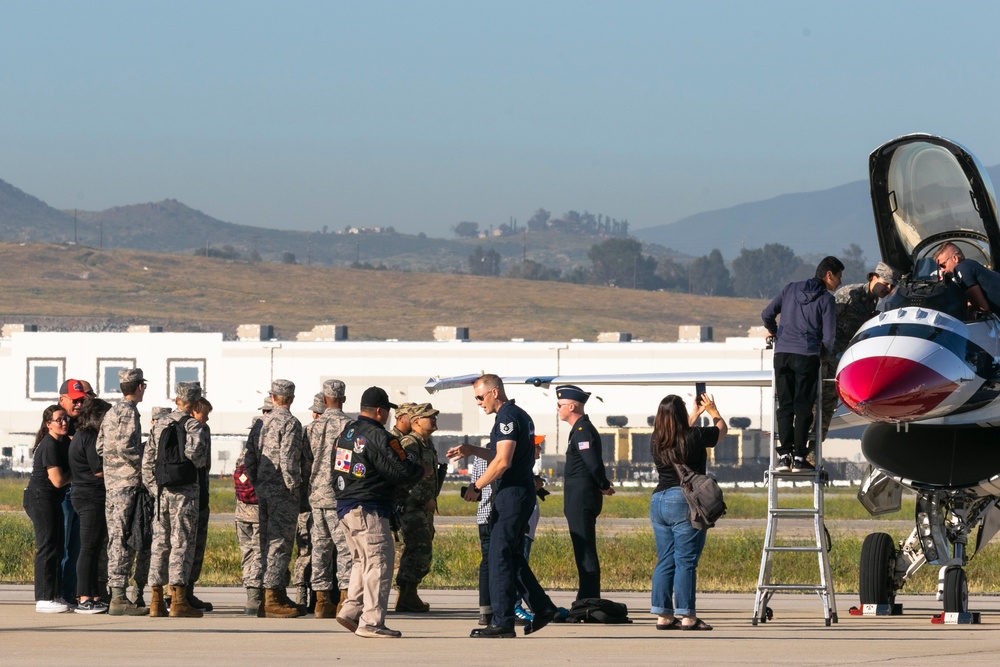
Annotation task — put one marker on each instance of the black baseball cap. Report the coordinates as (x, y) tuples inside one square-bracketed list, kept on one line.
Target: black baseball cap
[(375, 397)]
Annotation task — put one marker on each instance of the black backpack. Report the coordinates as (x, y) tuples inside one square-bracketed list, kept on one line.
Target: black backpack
[(598, 610), (173, 468)]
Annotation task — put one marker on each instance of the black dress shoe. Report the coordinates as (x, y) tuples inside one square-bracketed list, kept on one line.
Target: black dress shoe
[(540, 620), (493, 632)]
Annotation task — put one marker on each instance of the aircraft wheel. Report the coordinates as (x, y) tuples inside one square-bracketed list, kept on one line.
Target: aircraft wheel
[(956, 590), (878, 565)]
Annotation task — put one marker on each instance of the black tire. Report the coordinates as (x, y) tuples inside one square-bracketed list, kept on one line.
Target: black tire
[(878, 565), (956, 590)]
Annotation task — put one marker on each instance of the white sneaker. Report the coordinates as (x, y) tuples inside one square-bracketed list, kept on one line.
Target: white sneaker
[(51, 607)]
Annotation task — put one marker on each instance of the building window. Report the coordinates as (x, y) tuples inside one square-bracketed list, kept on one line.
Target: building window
[(44, 377), (185, 370), (107, 375)]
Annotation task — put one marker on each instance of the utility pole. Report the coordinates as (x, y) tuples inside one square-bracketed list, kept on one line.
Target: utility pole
[(75, 241), (102, 235)]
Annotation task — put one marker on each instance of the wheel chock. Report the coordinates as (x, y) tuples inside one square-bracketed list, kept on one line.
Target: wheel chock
[(956, 618), (895, 609)]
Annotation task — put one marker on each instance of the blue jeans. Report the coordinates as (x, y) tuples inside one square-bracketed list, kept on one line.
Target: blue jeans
[(678, 547)]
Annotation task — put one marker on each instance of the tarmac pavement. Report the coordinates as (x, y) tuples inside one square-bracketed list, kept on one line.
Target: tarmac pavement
[(796, 635)]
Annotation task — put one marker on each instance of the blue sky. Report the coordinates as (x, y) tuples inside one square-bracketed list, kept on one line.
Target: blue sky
[(424, 114)]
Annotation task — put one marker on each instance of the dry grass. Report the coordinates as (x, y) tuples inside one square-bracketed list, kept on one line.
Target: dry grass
[(185, 293)]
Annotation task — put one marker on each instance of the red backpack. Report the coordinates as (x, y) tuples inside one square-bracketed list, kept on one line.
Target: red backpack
[(245, 492)]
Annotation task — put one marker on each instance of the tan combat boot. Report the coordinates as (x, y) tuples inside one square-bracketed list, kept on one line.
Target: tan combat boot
[(324, 605), (179, 607), (275, 606), (340, 604), (157, 607)]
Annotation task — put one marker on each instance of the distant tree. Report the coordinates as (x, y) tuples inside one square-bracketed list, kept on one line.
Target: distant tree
[(484, 262), (761, 273), (369, 267), (673, 275), (532, 270), (466, 230), (620, 263), (288, 257), (855, 269), (539, 221), (325, 228), (709, 275), (227, 252), (580, 275), (421, 235)]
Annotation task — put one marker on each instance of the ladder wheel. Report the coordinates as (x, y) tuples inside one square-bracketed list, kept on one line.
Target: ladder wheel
[(768, 613), (878, 565)]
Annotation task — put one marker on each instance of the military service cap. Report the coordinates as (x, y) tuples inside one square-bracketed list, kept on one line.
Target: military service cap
[(188, 391), (268, 403), (161, 412), (334, 388), (284, 388), (572, 393), (886, 273), (405, 410), (318, 406), (130, 375)]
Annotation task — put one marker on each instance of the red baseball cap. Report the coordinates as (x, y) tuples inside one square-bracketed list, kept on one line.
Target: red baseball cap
[(73, 389)]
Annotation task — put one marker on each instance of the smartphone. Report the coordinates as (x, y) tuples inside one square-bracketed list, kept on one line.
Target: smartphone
[(466, 488), (699, 389)]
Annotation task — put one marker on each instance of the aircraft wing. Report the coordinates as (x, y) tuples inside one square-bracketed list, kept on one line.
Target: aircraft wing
[(710, 378)]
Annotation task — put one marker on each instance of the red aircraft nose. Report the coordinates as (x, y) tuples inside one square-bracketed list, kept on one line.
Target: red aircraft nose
[(892, 389)]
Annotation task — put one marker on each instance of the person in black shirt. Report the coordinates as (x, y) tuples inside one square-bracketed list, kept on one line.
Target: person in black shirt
[(511, 456), (87, 470), (675, 439), (586, 484), (43, 502)]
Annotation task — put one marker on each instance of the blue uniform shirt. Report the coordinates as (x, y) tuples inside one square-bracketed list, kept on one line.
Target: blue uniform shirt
[(513, 423)]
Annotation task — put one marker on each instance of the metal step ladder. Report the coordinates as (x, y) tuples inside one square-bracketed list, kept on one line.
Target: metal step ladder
[(766, 586)]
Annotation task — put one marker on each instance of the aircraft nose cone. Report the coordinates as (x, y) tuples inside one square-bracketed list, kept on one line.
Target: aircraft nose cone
[(892, 389)]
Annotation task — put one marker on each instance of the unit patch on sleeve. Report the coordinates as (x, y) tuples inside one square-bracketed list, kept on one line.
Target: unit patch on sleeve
[(583, 445)]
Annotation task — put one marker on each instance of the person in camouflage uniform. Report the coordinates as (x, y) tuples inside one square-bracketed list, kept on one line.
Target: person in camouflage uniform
[(140, 573), (248, 519), (282, 473), (418, 505), (302, 566), (328, 540), (855, 305), (402, 425), (119, 444), (200, 411), (176, 524)]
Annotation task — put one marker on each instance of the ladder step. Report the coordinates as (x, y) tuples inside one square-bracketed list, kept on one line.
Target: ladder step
[(802, 549), (791, 587), (792, 512)]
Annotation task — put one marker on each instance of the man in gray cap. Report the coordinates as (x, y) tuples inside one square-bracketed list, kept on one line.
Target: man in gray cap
[(282, 472), (330, 554), (247, 515), (586, 484), (175, 486), (119, 443), (302, 567), (419, 502), (856, 304)]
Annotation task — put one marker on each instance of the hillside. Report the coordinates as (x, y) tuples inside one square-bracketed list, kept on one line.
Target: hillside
[(72, 287)]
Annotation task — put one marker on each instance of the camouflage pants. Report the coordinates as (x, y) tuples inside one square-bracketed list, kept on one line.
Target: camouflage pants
[(302, 570), (329, 546), (278, 520), (418, 533), (116, 507), (248, 535), (174, 535), (200, 542)]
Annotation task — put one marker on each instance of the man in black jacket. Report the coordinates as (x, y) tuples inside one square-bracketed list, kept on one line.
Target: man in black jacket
[(370, 465), (585, 487)]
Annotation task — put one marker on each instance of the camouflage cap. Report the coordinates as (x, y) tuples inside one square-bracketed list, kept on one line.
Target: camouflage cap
[(284, 388), (130, 375), (161, 412), (886, 273), (423, 410), (318, 406), (268, 403), (334, 388), (188, 391), (405, 410)]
